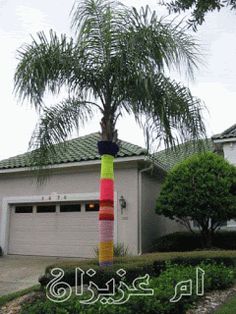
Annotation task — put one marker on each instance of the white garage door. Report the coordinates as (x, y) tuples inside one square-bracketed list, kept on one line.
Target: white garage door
[(54, 230)]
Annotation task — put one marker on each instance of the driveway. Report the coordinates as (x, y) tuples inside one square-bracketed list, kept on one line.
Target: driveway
[(19, 272)]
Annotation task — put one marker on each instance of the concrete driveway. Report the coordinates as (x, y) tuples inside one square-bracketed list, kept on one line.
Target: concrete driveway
[(20, 272)]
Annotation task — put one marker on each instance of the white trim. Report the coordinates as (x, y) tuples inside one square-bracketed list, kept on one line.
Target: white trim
[(54, 197), (224, 140), (5, 224), (74, 164), (140, 208)]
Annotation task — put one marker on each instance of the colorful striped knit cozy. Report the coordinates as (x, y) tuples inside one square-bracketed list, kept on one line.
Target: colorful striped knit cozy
[(107, 150)]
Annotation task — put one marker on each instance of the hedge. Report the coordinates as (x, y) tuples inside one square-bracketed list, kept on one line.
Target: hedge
[(187, 241), (135, 266), (133, 270), (216, 277)]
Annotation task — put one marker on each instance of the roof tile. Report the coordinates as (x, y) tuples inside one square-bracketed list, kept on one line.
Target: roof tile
[(170, 157), (83, 148), (229, 133)]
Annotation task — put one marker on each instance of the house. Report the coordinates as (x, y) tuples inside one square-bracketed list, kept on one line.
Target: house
[(59, 216), (226, 143), (223, 144)]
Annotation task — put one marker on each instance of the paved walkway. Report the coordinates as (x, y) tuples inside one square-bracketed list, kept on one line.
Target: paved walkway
[(19, 272)]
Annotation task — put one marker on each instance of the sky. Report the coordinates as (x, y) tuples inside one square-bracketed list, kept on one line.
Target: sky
[(214, 82)]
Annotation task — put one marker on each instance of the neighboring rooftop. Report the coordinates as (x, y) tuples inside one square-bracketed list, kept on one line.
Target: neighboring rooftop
[(227, 134), (83, 148), (170, 157)]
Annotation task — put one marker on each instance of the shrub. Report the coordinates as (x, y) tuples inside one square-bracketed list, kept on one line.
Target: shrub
[(177, 242), (202, 188), (188, 241), (225, 240), (152, 264), (103, 274), (193, 261), (216, 277)]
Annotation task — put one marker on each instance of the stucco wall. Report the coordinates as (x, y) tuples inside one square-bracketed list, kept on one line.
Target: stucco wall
[(230, 152), (153, 225), (82, 180)]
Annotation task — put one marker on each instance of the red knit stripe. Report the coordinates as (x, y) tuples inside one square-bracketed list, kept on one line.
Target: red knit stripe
[(104, 203), (106, 216)]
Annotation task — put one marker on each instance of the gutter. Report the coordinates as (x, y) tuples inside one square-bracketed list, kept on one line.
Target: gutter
[(140, 173)]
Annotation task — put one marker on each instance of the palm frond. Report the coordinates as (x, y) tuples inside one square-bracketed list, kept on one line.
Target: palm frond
[(55, 125), (167, 111), (46, 63), (164, 42), (98, 25)]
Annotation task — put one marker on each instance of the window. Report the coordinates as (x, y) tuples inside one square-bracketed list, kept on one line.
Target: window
[(67, 208), (92, 207), (46, 209), (24, 209)]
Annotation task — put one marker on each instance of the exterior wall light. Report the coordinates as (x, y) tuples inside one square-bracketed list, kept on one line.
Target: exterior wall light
[(122, 202)]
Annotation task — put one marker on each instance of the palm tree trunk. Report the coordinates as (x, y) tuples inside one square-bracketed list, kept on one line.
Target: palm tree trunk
[(107, 150)]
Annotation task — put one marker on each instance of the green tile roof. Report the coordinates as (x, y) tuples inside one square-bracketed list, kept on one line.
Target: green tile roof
[(85, 149), (171, 157), (229, 133), (79, 149)]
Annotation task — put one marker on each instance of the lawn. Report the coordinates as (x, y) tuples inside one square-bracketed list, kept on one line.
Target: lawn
[(12, 296), (228, 308)]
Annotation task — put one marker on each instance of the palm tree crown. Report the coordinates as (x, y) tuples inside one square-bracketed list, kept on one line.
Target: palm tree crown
[(115, 62)]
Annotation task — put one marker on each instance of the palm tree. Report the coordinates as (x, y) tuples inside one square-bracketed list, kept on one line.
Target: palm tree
[(114, 63)]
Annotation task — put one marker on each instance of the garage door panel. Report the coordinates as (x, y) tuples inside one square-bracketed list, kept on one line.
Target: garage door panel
[(54, 234)]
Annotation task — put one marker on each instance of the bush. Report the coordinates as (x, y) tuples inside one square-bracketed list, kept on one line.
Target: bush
[(103, 274), (188, 241), (225, 240), (194, 261), (202, 188), (153, 264), (177, 242), (216, 277)]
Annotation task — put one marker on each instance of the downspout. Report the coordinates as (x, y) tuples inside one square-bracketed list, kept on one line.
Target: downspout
[(140, 207)]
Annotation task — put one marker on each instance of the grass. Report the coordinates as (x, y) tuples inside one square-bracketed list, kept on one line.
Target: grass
[(11, 296), (228, 308)]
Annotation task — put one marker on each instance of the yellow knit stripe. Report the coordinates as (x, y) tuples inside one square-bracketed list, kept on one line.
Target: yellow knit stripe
[(107, 171), (105, 251)]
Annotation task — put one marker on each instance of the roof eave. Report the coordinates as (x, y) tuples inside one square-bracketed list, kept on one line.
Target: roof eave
[(73, 164), (223, 140)]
